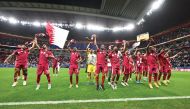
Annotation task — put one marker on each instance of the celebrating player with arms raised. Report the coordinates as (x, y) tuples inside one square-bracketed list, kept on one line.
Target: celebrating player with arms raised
[(74, 67), (138, 65), (127, 67), (21, 62), (153, 65), (115, 62), (101, 64)]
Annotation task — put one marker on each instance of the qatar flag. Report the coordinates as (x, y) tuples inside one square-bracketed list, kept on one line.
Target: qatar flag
[(57, 36)]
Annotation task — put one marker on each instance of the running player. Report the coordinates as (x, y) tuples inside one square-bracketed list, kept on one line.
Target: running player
[(75, 58), (21, 62), (43, 64)]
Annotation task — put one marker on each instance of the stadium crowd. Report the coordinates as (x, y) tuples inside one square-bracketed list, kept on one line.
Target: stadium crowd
[(183, 61)]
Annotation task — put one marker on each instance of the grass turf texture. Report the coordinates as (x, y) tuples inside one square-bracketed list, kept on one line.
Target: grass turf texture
[(178, 87)]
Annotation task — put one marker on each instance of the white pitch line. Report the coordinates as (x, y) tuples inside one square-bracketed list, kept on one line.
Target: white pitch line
[(92, 100)]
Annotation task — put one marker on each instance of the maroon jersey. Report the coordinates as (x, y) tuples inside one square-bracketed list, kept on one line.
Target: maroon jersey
[(126, 60), (139, 60), (168, 62), (101, 57), (43, 57), (144, 60), (74, 58), (115, 60), (55, 61), (152, 59), (162, 59), (21, 56)]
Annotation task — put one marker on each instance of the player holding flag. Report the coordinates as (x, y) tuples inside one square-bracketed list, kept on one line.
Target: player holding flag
[(43, 64)]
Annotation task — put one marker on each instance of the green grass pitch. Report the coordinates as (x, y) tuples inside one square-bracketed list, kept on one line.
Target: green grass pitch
[(179, 86)]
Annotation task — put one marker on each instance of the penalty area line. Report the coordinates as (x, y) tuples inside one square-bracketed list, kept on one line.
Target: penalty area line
[(92, 100)]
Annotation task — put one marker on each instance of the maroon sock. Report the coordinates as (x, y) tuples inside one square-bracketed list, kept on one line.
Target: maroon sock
[(113, 79), (117, 78), (103, 79), (165, 75), (71, 79), (25, 77), (97, 80), (136, 77), (159, 76), (18, 73), (169, 75), (77, 79), (150, 78), (48, 78), (127, 77), (38, 79), (146, 74), (15, 76), (155, 77)]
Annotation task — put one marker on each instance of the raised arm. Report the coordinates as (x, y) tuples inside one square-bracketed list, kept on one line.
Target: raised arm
[(33, 45), (36, 43), (88, 46), (95, 42), (9, 57), (124, 46), (135, 52), (172, 57)]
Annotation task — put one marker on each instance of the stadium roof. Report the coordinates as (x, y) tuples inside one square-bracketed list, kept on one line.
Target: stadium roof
[(108, 13), (121, 10)]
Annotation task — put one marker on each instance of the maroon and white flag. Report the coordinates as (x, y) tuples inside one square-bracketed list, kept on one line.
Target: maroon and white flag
[(57, 36)]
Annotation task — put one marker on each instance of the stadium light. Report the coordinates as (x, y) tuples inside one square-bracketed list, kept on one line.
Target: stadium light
[(116, 29), (129, 27), (3, 18), (149, 13), (157, 4), (95, 27), (140, 21), (36, 23), (24, 22), (79, 26), (13, 20)]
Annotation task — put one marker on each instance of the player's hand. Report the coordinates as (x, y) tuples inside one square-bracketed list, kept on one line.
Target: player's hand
[(6, 62)]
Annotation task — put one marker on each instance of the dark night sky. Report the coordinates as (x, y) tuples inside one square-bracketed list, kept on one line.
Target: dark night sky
[(172, 13)]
